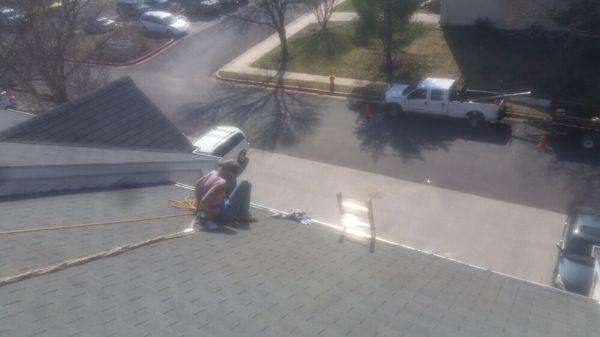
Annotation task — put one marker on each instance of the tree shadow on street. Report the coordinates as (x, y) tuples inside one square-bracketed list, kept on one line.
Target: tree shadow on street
[(271, 118), (409, 136), (582, 168)]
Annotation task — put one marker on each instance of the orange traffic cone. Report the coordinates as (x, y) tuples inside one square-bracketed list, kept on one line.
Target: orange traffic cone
[(543, 144)]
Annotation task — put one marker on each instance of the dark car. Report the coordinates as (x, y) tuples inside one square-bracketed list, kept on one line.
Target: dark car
[(202, 6), (575, 267), (10, 19), (100, 25), (158, 4), (232, 4), (131, 8)]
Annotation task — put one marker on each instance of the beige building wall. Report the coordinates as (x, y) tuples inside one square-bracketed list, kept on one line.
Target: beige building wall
[(504, 14)]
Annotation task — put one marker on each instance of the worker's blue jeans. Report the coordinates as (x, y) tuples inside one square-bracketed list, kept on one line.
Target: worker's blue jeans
[(237, 205)]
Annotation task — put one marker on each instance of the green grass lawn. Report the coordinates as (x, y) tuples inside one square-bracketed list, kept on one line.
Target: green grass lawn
[(345, 7), (343, 53), (486, 60)]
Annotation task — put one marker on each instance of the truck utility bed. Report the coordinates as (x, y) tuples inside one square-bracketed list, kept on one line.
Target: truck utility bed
[(576, 121)]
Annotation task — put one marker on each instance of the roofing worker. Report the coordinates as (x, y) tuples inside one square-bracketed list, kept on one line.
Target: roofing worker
[(220, 199)]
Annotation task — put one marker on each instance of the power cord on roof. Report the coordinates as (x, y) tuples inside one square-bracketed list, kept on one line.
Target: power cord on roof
[(79, 261), (108, 253), (52, 228)]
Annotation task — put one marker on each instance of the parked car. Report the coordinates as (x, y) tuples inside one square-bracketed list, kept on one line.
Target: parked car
[(164, 22), (202, 6), (232, 4), (576, 121), (131, 8), (7, 101), (158, 4), (443, 97), (100, 25), (224, 141), (45, 6), (11, 19), (575, 266)]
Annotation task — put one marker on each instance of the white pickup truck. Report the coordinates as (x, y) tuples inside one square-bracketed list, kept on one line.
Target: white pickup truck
[(442, 97)]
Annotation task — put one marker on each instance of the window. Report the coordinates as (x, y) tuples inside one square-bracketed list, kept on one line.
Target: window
[(418, 94), (228, 145), (437, 95), (151, 19), (170, 19)]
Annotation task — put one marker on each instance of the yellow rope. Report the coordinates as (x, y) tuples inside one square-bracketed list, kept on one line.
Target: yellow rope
[(52, 228), (188, 204)]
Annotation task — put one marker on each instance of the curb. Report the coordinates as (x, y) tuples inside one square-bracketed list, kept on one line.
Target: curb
[(333, 94), (136, 60), (298, 88)]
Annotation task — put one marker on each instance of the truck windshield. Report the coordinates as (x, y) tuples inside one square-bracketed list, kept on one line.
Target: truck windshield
[(410, 88)]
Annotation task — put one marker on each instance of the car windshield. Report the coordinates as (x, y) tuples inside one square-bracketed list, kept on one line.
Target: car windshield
[(589, 224), (170, 19), (410, 88), (580, 250)]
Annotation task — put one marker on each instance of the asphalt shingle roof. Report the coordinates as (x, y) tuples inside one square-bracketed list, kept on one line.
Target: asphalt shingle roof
[(21, 252), (21, 154), (117, 115), (278, 278), (10, 118)]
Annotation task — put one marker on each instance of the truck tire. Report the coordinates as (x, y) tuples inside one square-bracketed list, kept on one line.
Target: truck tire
[(475, 119), (588, 142), (242, 157), (393, 109)]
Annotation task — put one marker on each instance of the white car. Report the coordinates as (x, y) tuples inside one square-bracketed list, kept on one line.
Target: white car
[(163, 22), (227, 142)]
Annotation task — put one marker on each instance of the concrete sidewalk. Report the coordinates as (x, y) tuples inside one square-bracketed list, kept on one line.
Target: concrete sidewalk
[(242, 64), (504, 237)]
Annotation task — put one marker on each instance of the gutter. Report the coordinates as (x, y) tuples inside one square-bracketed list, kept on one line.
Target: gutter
[(21, 180)]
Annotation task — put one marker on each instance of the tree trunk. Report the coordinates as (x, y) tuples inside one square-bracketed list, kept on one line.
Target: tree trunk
[(388, 42), (58, 89), (285, 54)]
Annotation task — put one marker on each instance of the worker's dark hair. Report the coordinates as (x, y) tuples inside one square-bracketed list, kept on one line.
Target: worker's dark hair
[(229, 165)]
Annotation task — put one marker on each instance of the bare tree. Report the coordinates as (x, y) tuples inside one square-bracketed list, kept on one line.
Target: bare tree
[(46, 53), (271, 13), (323, 9)]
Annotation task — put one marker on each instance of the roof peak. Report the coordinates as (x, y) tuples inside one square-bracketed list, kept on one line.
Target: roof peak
[(118, 115)]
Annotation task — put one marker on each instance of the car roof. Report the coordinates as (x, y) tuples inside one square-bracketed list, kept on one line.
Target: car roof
[(587, 224), (158, 14), (436, 83), (213, 138)]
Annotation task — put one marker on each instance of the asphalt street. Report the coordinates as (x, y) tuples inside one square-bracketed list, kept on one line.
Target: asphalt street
[(501, 162)]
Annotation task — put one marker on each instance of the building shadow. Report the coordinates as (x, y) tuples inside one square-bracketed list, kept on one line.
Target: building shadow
[(271, 118), (409, 136), (582, 170), (491, 59)]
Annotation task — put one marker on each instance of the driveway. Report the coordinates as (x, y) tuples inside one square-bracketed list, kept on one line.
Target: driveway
[(500, 166)]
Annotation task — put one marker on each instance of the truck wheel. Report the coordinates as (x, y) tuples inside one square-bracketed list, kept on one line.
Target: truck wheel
[(242, 157), (588, 142), (394, 109), (475, 119)]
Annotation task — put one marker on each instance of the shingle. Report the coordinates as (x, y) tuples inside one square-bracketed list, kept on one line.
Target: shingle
[(105, 117), (275, 279)]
